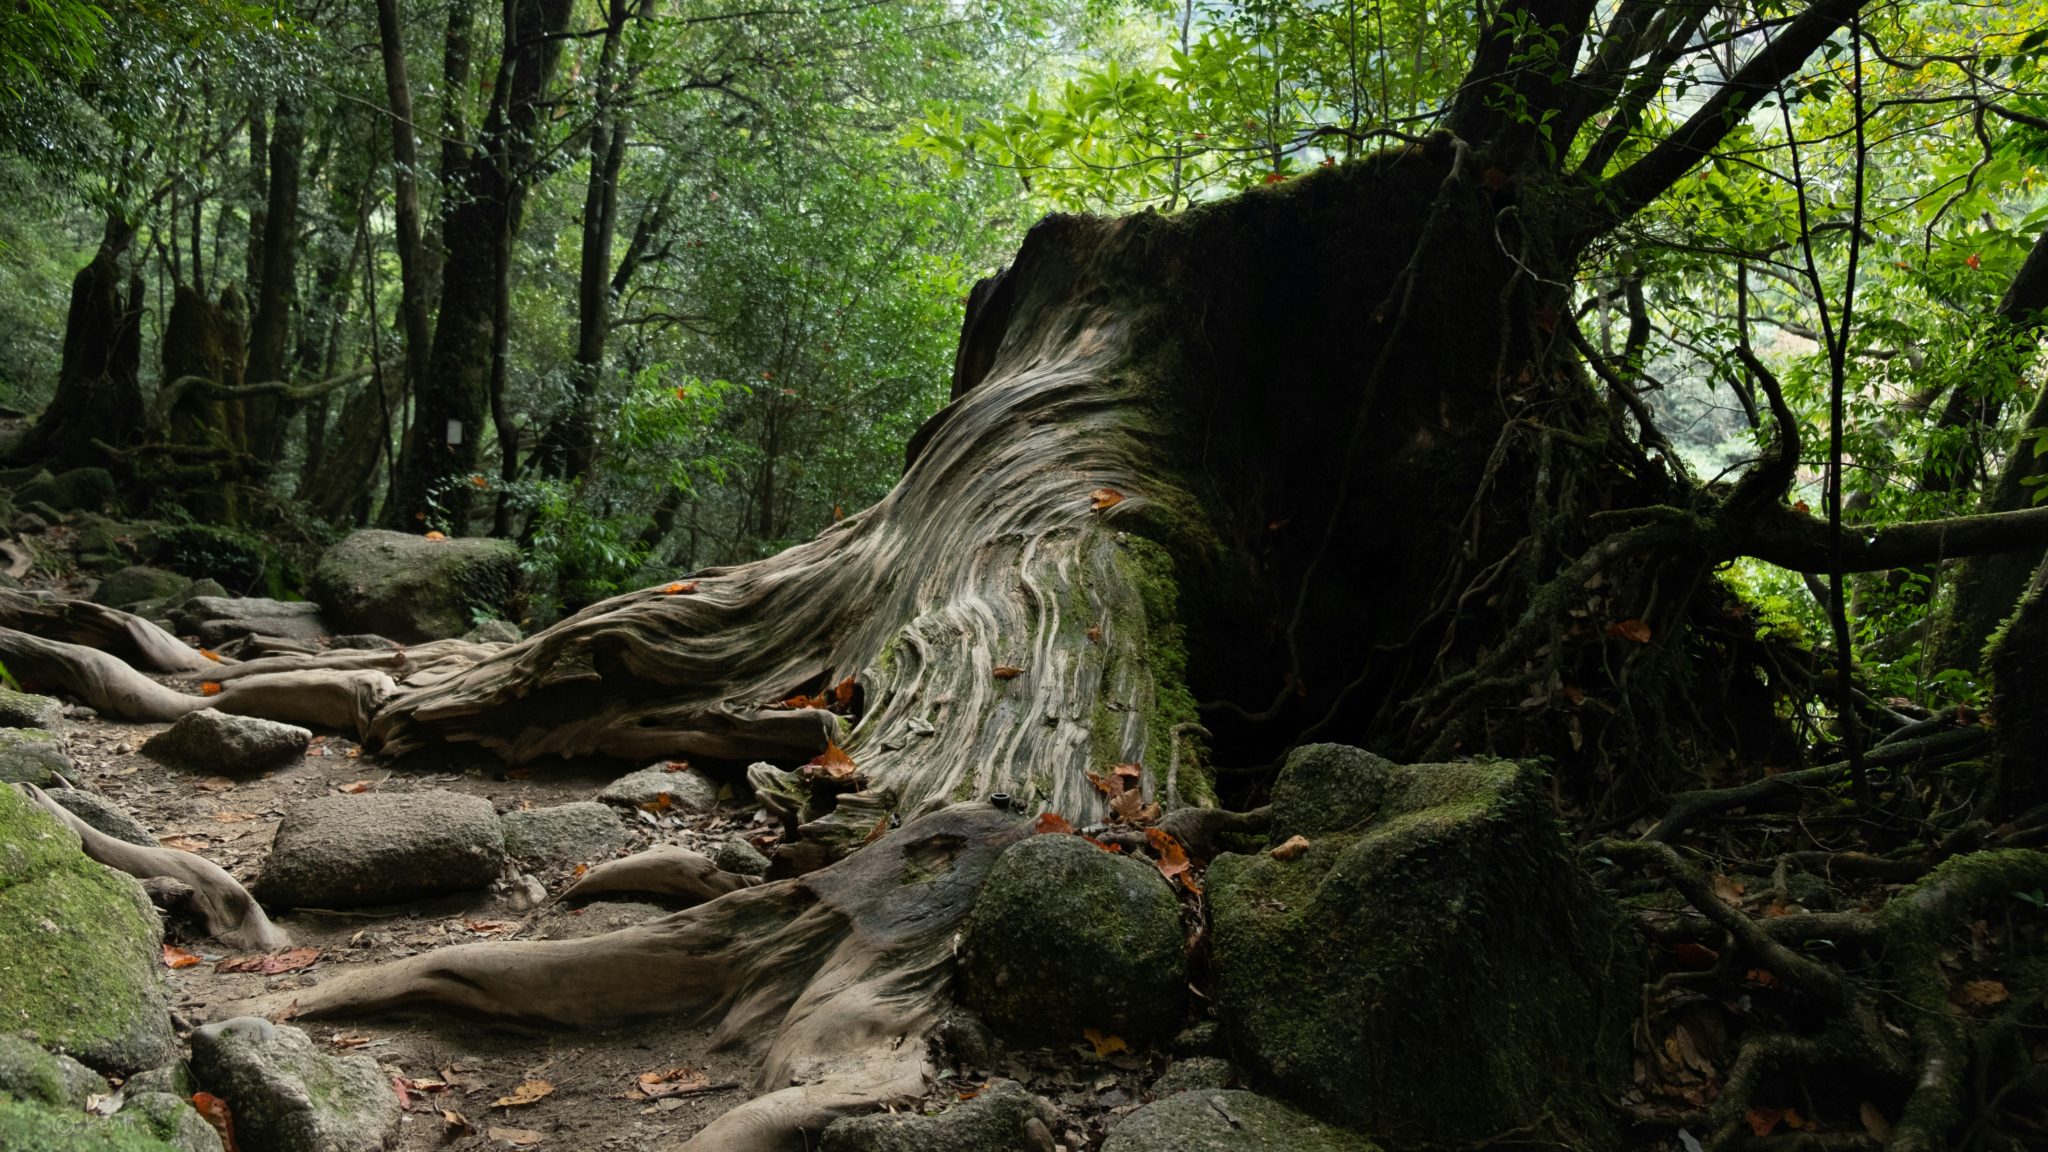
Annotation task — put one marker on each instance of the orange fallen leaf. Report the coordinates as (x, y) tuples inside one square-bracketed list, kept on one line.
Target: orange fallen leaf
[(662, 802), (1290, 849), (437, 536), (210, 654), (1173, 859), (1764, 1121), (679, 588), (181, 843), (675, 766), (216, 784), (176, 957), (358, 787), (479, 481), (275, 964), (1104, 498), (489, 927), (530, 1092), (580, 870), (215, 1112), (1129, 771), (1110, 786), (1006, 671), (1050, 822), (1095, 635), (1730, 891), (1634, 630), (209, 688), (1763, 978), (969, 1093), (227, 817), (456, 1123), (835, 764), (1981, 994), (842, 693), (1112, 849), (1106, 1043), (1129, 807)]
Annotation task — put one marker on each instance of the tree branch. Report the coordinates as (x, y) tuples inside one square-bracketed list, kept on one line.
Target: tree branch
[(1778, 535)]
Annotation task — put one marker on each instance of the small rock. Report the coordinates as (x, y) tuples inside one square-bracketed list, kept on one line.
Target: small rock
[(217, 620), (27, 710), (205, 586), (494, 632), (364, 641), (688, 789), (137, 583), (217, 743), (104, 815), (32, 756), (736, 855), (564, 836), (289, 1096), (1228, 1121), (351, 851), (80, 489), (171, 1119), (526, 893), (1002, 1118)]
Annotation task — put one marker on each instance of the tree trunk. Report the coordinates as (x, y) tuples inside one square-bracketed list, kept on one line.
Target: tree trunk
[(99, 396), (405, 164), (453, 401), (205, 455), (276, 289)]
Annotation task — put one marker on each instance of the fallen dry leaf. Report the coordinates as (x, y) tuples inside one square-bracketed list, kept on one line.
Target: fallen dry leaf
[(842, 693), (346, 1040), (679, 588), (215, 784), (227, 817), (1634, 630), (834, 764), (357, 788), (210, 654), (457, 1124), (517, 1137), (182, 843), (1874, 1124), (1006, 671), (1104, 498), (1764, 1121), (529, 1092), (1730, 891), (209, 688), (176, 957), (1981, 994), (672, 1082), (1051, 822), (1173, 859), (1290, 849), (1129, 807), (437, 536), (1106, 1043), (489, 927), (275, 964), (1696, 956), (662, 802), (1095, 635), (216, 1113)]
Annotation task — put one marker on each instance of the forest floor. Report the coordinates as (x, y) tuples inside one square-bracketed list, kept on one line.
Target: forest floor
[(450, 1070)]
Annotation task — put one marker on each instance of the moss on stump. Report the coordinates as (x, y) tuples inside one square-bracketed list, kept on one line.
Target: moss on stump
[(1467, 979), (1065, 937)]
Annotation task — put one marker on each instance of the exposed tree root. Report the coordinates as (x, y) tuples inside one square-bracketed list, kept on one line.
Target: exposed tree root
[(333, 699), (834, 977), (664, 870), (102, 681), (232, 915), (122, 635)]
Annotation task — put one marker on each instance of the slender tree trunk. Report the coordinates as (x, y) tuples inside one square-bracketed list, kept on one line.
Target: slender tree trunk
[(453, 400), (270, 326), (99, 395), (259, 195), (457, 50), (320, 345), (206, 456), (405, 166)]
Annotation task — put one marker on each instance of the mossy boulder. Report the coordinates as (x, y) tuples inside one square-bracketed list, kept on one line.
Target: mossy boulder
[(29, 1073), (79, 948), (413, 589), (80, 489), (31, 756), (137, 583), (1227, 1121), (1065, 937), (36, 1128), (28, 710), (1435, 967), (564, 835)]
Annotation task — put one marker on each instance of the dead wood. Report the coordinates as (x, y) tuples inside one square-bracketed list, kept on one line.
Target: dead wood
[(119, 634), (664, 870)]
